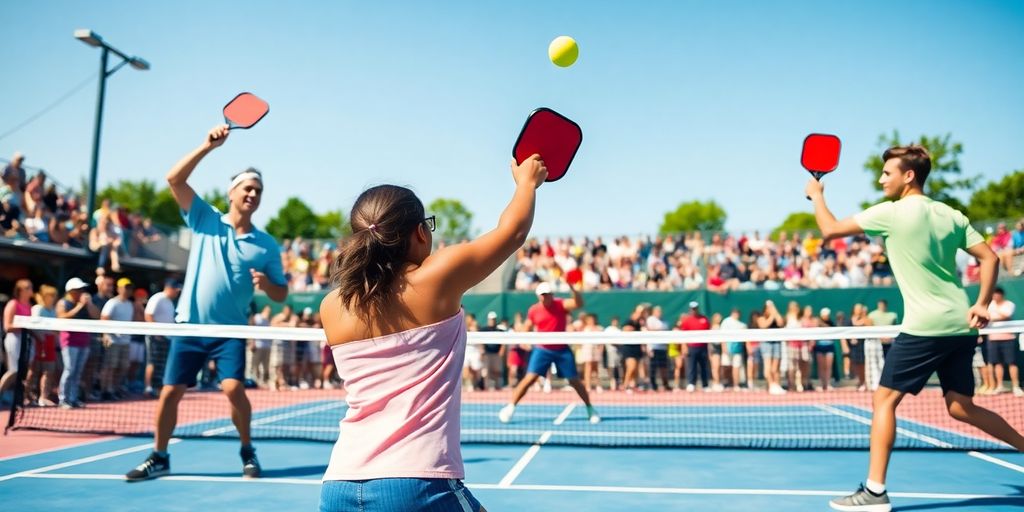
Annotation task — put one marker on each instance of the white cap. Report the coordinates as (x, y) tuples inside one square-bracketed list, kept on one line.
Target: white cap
[(694, 304), (492, 314), (307, 311), (75, 284), (543, 288), (826, 311)]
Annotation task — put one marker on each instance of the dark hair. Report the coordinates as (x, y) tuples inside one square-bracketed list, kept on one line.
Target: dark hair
[(912, 158), (370, 260), (999, 290)]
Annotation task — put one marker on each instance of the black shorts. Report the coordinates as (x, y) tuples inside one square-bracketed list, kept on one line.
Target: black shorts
[(1002, 352), (857, 352), (631, 352), (912, 360), (659, 358)]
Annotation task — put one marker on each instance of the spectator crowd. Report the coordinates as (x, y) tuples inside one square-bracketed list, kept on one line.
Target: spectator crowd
[(724, 262), (37, 210), (70, 369)]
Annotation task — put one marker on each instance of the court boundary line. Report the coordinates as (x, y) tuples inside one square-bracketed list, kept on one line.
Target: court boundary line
[(532, 487), (532, 451), (59, 448), (996, 461), (276, 417), (83, 460), (867, 421), (936, 427)]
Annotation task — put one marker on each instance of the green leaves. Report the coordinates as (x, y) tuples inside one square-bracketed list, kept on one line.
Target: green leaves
[(999, 200), (694, 216), (798, 222), (946, 179), (454, 220), (296, 218)]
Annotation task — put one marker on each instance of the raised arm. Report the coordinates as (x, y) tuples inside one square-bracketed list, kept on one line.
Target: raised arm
[(575, 302), (177, 178), (462, 266), (828, 224)]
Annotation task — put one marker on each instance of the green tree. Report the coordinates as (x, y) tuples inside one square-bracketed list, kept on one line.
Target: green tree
[(296, 218), (144, 198), (799, 222), (333, 224), (998, 200), (694, 216), (454, 220), (946, 178), (217, 199)]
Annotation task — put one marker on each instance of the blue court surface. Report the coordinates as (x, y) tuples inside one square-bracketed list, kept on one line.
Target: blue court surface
[(537, 476)]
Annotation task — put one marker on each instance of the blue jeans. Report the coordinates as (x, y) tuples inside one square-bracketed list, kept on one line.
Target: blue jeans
[(74, 360), (397, 495)]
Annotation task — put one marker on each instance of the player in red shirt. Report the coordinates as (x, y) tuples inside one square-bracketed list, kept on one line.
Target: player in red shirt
[(550, 315), (696, 352)]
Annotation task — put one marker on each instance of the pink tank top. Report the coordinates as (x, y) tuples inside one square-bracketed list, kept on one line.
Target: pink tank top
[(404, 397)]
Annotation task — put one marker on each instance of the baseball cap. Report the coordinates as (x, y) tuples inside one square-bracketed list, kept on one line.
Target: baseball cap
[(307, 311), (124, 281), (492, 314), (75, 284), (826, 311), (172, 283), (543, 289), (694, 304)]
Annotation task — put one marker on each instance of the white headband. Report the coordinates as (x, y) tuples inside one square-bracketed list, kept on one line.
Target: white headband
[(249, 175)]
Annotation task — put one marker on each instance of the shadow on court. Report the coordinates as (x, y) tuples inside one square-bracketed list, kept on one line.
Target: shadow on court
[(1016, 499)]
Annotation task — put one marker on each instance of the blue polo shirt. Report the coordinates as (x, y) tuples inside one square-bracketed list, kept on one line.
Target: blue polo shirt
[(218, 285)]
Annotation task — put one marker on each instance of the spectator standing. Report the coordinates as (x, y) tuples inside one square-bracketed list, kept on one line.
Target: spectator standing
[(116, 346), (875, 350), (45, 362), (282, 355), (733, 353), (159, 309), (697, 361), (658, 365), (19, 305), (259, 359), (772, 350), (74, 346), (1003, 347), (494, 355), (825, 351)]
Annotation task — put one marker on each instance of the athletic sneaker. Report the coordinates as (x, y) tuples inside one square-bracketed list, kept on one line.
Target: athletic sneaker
[(862, 501), (250, 465), (1018, 392), (152, 467), (592, 414), (505, 414), (690, 388)]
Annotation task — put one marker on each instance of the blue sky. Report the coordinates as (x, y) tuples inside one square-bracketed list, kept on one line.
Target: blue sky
[(678, 100)]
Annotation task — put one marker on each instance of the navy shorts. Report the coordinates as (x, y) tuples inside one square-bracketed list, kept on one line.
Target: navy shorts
[(913, 359), (824, 349), (1002, 352), (188, 355), (542, 358), (397, 495)]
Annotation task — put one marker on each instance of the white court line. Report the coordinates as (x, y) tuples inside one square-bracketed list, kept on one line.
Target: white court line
[(277, 417), (59, 448), (674, 416), (83, 460), (662, 435), (908, 433), (535, 487), (531, 452), (998, 462)]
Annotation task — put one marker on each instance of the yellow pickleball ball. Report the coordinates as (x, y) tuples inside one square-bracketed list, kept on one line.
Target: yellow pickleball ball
[(563, 51)]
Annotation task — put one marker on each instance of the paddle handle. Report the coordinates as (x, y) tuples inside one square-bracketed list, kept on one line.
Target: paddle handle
[(817, 175)]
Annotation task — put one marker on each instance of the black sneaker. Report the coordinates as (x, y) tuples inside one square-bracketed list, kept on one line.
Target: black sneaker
[(862, 501), (107, 396), (152, 467), (250, 465)]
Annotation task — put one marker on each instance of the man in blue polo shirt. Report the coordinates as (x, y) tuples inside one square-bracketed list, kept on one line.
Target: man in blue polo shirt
[(229, 260)]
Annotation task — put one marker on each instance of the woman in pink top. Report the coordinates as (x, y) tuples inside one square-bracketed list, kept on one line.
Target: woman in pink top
[(19, 305), (398, 335)]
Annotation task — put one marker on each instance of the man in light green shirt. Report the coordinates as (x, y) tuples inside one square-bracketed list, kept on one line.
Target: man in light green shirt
[(939, 330)]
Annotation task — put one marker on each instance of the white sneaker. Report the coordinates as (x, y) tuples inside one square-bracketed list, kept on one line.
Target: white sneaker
[(690, 388), (1018, 392), (547, 386), (717, 388), (505, 414), (594, 418), (776, 390)]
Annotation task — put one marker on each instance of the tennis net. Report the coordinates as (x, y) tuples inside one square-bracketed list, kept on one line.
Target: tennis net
[(638, 384)]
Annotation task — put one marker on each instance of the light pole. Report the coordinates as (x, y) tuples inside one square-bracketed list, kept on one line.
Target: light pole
[(93, 39)]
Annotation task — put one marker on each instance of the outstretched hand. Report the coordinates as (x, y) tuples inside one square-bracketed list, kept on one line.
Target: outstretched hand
[(531, 171)]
